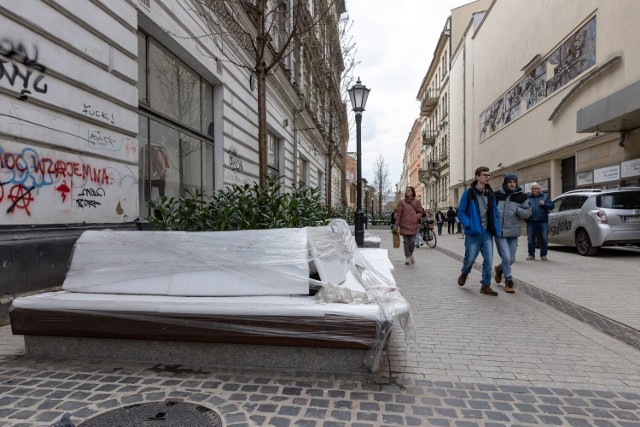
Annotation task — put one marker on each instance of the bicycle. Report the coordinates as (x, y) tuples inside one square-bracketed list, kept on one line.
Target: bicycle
[(427, 233)]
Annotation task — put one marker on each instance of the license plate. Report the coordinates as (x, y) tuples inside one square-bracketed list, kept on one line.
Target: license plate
[(632, 219)]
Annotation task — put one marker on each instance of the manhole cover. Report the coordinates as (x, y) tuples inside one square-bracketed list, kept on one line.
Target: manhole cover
[(157, 414)]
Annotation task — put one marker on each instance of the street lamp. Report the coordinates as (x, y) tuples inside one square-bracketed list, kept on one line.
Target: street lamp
[(359, 94)]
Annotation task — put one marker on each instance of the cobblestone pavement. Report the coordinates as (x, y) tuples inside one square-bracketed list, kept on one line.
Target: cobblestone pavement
[(475, 361)]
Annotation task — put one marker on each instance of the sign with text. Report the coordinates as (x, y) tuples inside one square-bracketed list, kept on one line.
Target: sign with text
[(610, 173), (630, 168), (584, 178)]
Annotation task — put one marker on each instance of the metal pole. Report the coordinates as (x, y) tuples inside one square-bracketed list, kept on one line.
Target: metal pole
[(359, 218)]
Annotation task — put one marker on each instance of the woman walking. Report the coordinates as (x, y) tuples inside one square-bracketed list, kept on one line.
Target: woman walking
[(408, 213)]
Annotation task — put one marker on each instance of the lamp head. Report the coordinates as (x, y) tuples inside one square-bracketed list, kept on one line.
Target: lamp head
[(358, 95)]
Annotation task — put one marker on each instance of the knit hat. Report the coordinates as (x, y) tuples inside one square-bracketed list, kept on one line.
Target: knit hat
[(510, 176)]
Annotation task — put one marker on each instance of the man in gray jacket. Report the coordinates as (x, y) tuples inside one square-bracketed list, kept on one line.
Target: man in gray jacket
[(513, 205)]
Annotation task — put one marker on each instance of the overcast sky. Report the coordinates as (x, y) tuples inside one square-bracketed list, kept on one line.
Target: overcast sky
[(395, 43)]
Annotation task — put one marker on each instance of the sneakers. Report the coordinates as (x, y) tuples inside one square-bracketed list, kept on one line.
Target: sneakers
[(530, 258), (486, 289), (508, 286), (407, 261), (413, 260), (462, 279), (544, 258), (498, 270)]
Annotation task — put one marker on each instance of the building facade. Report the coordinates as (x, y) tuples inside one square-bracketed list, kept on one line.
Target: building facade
[(433, 95), (553, 97), (107, 105)]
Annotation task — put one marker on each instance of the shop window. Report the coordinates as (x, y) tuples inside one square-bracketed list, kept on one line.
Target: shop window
[(175, 126)]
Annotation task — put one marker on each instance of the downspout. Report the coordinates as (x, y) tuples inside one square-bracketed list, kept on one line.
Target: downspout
[(295, 142), (464, 110)]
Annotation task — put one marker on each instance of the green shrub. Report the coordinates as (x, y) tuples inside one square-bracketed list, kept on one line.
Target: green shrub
[(247, 207)]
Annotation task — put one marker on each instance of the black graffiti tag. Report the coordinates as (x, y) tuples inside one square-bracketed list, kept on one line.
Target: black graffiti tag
[(16, 55)]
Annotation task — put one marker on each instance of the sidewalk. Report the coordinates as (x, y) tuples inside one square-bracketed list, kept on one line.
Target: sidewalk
[(476, 361)]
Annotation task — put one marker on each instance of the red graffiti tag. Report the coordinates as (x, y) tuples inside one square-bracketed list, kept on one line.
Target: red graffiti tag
[(63, 189), (21, 198)]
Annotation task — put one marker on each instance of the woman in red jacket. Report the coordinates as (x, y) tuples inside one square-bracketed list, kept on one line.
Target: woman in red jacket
[(408, 214)]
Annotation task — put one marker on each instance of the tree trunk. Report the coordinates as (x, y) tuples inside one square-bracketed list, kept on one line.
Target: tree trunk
[(261, 77)]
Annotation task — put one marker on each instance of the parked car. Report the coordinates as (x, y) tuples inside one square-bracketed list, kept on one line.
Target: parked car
[(591, 218)]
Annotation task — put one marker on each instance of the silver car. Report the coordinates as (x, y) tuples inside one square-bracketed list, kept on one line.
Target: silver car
[(591, 218)]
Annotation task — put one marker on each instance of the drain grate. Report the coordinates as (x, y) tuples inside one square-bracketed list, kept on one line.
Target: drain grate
[(157, 414)]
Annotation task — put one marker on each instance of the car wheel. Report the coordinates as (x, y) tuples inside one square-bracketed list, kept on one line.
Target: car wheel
[(583, 243)]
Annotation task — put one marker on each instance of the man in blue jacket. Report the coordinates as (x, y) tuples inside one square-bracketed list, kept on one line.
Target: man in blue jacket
[(538, 222), (478, 214)]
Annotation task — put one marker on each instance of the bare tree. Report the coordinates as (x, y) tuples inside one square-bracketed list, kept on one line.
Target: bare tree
[(339, 51), (270, 31), (381, 179)]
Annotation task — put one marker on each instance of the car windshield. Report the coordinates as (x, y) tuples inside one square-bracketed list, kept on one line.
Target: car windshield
[(622, 200)]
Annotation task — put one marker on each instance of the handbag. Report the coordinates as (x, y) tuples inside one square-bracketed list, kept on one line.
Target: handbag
[(396, 240)]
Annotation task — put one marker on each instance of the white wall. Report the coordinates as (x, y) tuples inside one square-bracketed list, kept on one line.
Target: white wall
[(68, 148)]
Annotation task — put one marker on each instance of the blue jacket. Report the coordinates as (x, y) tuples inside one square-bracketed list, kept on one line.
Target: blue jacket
[(540, 213), (469, 212)]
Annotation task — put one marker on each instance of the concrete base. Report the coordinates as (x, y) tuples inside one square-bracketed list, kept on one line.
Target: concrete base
[(315, 359)]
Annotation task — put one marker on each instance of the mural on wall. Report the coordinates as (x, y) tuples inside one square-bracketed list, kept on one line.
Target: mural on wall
[(46, 186), (570, 59)]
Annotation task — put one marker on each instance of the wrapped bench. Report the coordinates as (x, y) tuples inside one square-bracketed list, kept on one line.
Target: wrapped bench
[(305, 299)]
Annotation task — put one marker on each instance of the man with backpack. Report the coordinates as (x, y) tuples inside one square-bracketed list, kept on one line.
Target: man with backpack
[(478, 214)]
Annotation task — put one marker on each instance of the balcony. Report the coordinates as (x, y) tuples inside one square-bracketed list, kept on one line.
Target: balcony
[(424, 177), (432, 169), (429, 102), (428, 137), (444, 160)]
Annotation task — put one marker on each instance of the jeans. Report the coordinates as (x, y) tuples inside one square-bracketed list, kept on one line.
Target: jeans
[(474, 245), (418, 238), (533, 228), (409, 243), (507, 247), (440, 228)]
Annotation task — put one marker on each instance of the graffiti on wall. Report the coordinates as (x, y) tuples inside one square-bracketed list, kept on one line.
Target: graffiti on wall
[(42, 183), (570, 59), (19, 67)]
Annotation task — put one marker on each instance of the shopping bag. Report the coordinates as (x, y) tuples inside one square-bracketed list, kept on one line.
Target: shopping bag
[(396, 240)]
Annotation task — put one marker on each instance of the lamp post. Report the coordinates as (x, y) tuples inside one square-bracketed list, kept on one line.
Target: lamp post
[(366, 203), (358, 95)]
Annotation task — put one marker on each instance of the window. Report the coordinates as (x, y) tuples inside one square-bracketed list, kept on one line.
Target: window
[(622, 200), (302, 172), (572, 202), (273, 155), (175, 126)]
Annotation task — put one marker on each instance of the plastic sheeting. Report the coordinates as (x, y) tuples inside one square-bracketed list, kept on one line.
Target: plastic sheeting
[(266, 278)]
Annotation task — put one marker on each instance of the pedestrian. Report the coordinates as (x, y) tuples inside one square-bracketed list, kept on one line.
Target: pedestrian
[(538, 222), (439, 221), (478, 213), (451, 220), (513, 206), (408, 213), (393, 219)]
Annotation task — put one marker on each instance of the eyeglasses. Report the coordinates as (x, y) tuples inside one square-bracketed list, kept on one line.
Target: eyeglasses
[(535, 188)]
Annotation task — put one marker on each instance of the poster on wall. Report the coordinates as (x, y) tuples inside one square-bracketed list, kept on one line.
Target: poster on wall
[(543, 183), (630, 168), (610, 173), (584, 178)]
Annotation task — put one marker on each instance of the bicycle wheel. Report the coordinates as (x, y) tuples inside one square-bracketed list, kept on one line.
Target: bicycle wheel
[(431, 239)]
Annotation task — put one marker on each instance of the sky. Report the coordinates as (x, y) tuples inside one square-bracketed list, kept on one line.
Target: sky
[(395, 42)]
